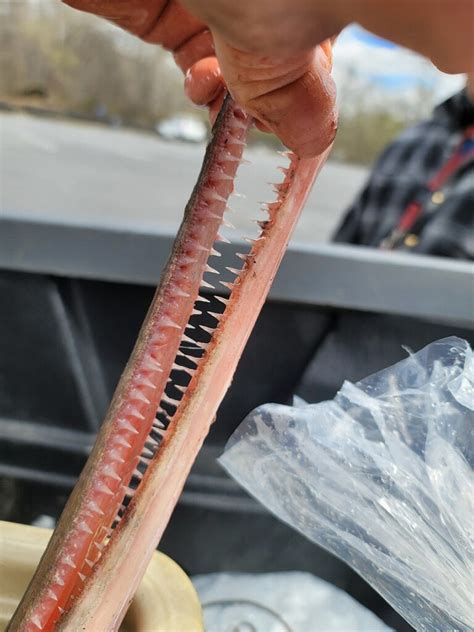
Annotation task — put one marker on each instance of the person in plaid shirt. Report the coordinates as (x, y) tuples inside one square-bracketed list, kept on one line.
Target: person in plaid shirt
[(420, 194)]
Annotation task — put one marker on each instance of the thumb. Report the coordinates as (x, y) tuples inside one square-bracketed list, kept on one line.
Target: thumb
[(293, 97)]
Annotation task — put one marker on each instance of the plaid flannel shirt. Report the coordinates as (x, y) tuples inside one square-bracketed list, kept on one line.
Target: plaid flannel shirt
[(400, 176)]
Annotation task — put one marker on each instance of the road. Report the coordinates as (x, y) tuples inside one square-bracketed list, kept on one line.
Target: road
[(78, 173)]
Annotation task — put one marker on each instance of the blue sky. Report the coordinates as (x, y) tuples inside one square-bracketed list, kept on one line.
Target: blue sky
[(388, 67)]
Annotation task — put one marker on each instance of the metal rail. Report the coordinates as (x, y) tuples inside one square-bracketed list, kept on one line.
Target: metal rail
[(340, 276)]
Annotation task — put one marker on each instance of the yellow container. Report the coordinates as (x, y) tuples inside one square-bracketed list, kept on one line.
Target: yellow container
[(165, 601)]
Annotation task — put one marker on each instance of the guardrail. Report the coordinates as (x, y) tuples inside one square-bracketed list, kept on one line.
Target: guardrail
[(340, 276)]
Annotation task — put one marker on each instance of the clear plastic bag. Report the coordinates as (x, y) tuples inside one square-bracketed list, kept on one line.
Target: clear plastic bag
[(382, 477), (279, 602)]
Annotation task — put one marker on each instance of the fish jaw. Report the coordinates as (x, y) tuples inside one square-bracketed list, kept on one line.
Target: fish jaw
[(103, 604), (113, 561), (84, 529)]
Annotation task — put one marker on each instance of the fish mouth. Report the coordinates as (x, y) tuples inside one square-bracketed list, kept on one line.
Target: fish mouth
[(166, 399)]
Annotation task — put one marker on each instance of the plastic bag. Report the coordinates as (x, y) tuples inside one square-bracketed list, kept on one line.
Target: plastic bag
[(279, 602), (382, 477)]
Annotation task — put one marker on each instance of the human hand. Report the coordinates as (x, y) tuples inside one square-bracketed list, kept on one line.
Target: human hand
[(292, 95)]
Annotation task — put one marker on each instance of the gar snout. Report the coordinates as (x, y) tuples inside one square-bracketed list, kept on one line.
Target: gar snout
[(166, 399)]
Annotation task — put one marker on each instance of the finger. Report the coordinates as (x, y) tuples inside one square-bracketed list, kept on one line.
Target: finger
[(302, 114), (164, 22), (197, 47), (294, 97), (137, 18), (203, 81), (173, 26), (262, 127)]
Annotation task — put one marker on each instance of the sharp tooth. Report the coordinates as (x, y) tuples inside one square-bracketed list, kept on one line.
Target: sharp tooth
[(93, 506), (83, 526), (166, 321), (176, 366), (152, 365), (222, 299), (134, 412), (185, 260), (227, 223), (239, 195), (239, 124), (144, 381), (179, 292), (202, 299), (82, 576), (67, 559), (51, 594), (168, 400), (280, 187), (211, 270), (137, 394), (230, 286), (152, 442), (157, 339), (35, 620), (234, 270), (237, 141), (211, 194), (126, 425), (187, 339), (147, 453), (58, 580), (89, 563), (99, 546), (109, 471), (195, 312), (199, 247), (224, 176), (215, 253), (180, 388), (222, 238), (61, 610), (209, 330), (115, 456), (230, 157), (214, 215), (241, 255), (206, 284), (102, 487)]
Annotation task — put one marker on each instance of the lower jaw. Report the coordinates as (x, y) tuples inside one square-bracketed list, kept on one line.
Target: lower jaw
[(90, 570)]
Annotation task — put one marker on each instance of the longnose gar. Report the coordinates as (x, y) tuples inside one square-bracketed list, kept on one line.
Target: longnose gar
[(154, 427)]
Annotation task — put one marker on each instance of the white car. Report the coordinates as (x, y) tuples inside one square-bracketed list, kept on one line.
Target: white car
[(185, 128)]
